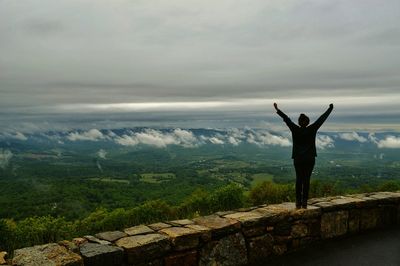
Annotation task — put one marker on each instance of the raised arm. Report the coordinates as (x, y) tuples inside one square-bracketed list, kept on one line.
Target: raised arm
[(317, 124), (286, 119)]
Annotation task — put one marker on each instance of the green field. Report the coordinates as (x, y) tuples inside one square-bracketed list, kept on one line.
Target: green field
[(261, 177), (110, 180), (156, 178)]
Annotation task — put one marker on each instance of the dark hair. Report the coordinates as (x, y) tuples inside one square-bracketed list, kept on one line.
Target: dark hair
[(303, 120)]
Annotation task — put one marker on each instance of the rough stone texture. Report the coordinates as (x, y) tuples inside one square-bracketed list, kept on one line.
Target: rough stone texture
[(387, 215), (144, 248), (369, 218), (230, 250), (159, 226), (309, 213), (247, 219), (299, 230), (182, 222), (219, 239), (96, 240), (182, 238), (253, 231), (280, 249), (219, 226), (79, 241), (260, 247), (3, 257), (205, 232), (334, 224), (284, 227), (69, 245), (314, 227), (101, 255), (46, 255), (182, 259), (111, 236), (354, 221), (138, 230), (398, 214), (339, 202), (282, 239)]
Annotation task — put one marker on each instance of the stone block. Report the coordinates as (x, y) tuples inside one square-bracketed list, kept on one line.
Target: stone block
[(248, 219), (340, 203), (111, 236), (144, 248), (46, 255), (388, 215), (182, 238), (182, 222), (354, 220), (3, 257), (219, 226), (229, 250), (334, 224), (182, 259), (69, 245), (205, 232), (279, 249), (310, 213), (253, 231), (260, 247), (101, 255), (78, 241), (96, 240), (398, 214), (301, 242), (369, 218), (138, 230), (282, 239), (314, 227), (284, 227), (159, 226), (299, 230)]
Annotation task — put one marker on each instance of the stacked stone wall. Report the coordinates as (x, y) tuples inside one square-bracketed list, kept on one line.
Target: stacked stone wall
[(241, 237)]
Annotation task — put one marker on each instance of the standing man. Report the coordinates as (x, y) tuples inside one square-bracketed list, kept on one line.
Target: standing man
[(304, 151)]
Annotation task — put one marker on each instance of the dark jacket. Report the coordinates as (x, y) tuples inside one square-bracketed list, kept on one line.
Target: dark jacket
[(304, 138)]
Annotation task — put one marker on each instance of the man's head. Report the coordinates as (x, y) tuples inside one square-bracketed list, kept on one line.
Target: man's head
[(303, 120)]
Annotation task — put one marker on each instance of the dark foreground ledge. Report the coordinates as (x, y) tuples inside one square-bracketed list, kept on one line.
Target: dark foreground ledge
[(241, 237)]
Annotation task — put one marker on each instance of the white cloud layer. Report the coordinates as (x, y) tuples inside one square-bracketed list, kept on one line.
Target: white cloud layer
[(390, 142), (352, 136), (5, 157), (324, 141), (102, 154), (91, 135)]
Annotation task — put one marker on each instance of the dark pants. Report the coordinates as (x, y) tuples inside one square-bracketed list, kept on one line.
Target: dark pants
[(304, 168)]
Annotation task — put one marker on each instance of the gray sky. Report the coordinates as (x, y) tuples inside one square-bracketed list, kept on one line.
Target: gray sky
[(111, 62)]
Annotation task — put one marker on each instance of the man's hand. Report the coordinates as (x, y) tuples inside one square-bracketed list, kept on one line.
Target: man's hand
[(276, 107), (331, 105)]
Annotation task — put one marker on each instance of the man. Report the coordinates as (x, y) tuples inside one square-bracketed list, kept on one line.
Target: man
[(304, 151)]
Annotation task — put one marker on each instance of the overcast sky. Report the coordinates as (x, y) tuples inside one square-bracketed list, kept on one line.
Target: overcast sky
[(198, 63)]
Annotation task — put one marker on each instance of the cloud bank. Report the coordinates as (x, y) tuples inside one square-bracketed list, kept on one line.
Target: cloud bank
[(5, 157)]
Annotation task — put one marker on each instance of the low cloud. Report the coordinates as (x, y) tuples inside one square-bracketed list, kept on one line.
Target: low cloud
[(16, 136), (91, 135), (5, 157), (352, 136), (216, 140), (324, 141), (389, 142), (158, 138), (102, 154)]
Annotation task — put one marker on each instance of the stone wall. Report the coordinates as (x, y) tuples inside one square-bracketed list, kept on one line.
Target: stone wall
[(241, 237)]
